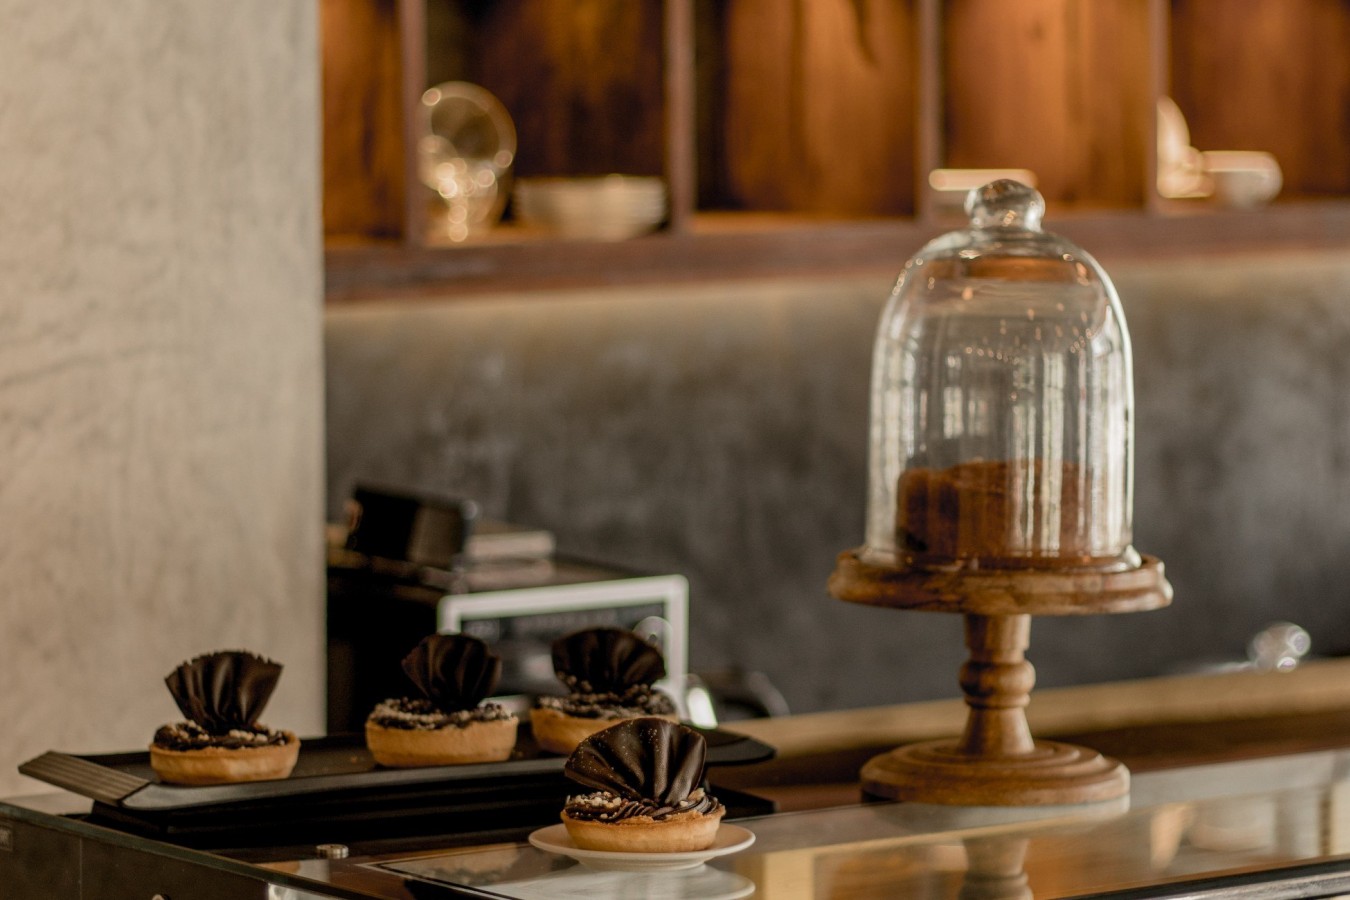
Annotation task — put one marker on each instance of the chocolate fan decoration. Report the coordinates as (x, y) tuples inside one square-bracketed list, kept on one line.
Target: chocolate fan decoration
[(453, 671), (224, 691), (641, 759), (606, 661)]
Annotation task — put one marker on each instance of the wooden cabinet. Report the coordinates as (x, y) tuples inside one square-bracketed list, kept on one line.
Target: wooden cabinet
[(768, 117), (365, 151), (1268, 76), (807, 107), (1065, 88)]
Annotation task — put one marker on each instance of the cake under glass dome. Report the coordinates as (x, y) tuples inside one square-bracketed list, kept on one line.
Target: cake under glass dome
[(1001, 481), (1001, 402)]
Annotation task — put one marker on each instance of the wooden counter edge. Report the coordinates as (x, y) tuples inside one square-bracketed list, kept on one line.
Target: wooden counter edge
[(1317, 686)]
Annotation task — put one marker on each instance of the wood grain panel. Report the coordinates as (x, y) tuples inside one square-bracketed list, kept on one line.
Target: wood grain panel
[(1061, 87), (816, 106), (1254, 75), (363, 144), (581, 78)]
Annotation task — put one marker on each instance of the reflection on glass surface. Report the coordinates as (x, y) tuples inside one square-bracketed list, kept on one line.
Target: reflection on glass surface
[(279, 892), (529, 874), (703, 883), (481, 867), (1215, 826)]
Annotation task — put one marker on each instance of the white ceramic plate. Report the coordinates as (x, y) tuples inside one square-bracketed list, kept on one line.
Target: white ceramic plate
[(554, 839)]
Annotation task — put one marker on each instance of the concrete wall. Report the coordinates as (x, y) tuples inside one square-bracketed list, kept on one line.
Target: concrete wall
[(160, 364), (719, 431)]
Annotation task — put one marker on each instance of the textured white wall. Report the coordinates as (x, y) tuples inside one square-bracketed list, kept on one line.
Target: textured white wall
[(160, 374)]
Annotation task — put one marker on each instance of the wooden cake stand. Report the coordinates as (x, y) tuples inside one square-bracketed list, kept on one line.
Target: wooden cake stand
[(996, 762)]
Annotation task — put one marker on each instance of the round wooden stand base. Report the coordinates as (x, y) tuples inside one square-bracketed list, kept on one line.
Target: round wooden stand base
[(996, 762), (1050, 774)]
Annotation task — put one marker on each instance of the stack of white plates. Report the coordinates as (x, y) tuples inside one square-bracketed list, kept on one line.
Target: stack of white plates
[(1243, 178), (605, 208)]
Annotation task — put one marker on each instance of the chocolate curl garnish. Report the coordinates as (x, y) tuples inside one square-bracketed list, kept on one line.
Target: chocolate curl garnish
[(641, 759), (606, 661), (453, 671), (224, 691)]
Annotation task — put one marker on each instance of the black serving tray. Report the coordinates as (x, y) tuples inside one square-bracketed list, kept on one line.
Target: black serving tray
[(336, 792)]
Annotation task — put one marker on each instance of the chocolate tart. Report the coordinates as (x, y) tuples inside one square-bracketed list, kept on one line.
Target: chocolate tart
[(608, 673), (450, 724), (221, 742), (646, 797)]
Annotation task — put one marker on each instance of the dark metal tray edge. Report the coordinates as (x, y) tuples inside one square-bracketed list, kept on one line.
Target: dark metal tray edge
[(120, 779)]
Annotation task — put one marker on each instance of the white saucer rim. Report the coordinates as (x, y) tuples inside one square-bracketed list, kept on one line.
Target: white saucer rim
[(543, 839)]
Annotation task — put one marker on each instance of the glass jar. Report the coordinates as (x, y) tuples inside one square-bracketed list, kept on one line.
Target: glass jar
[(1002, 402)]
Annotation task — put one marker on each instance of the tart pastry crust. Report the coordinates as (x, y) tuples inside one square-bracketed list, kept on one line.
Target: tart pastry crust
[(476, 742), (226, 765), (642, 834), (557, 732)]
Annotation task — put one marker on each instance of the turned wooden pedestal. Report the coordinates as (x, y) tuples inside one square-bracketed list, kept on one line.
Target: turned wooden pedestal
[(996, 761)]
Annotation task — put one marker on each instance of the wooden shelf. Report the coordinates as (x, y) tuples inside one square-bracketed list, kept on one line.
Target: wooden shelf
[(799, 137), (723, 247)]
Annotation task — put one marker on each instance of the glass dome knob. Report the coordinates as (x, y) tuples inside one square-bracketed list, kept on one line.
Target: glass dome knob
[(1005, 204)]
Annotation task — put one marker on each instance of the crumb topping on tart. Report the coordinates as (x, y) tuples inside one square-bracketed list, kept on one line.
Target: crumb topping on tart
[(420, 714), (191, 736), (603, 806), (638, 700)]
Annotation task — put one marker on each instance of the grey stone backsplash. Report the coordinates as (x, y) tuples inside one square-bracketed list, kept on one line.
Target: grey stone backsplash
[(720, 431)]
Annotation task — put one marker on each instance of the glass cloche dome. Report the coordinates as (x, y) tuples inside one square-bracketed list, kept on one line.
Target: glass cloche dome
[(1002, 405)]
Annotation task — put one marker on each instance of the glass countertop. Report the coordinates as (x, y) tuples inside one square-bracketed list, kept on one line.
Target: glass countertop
[(1268, 828), (1262, 829)]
